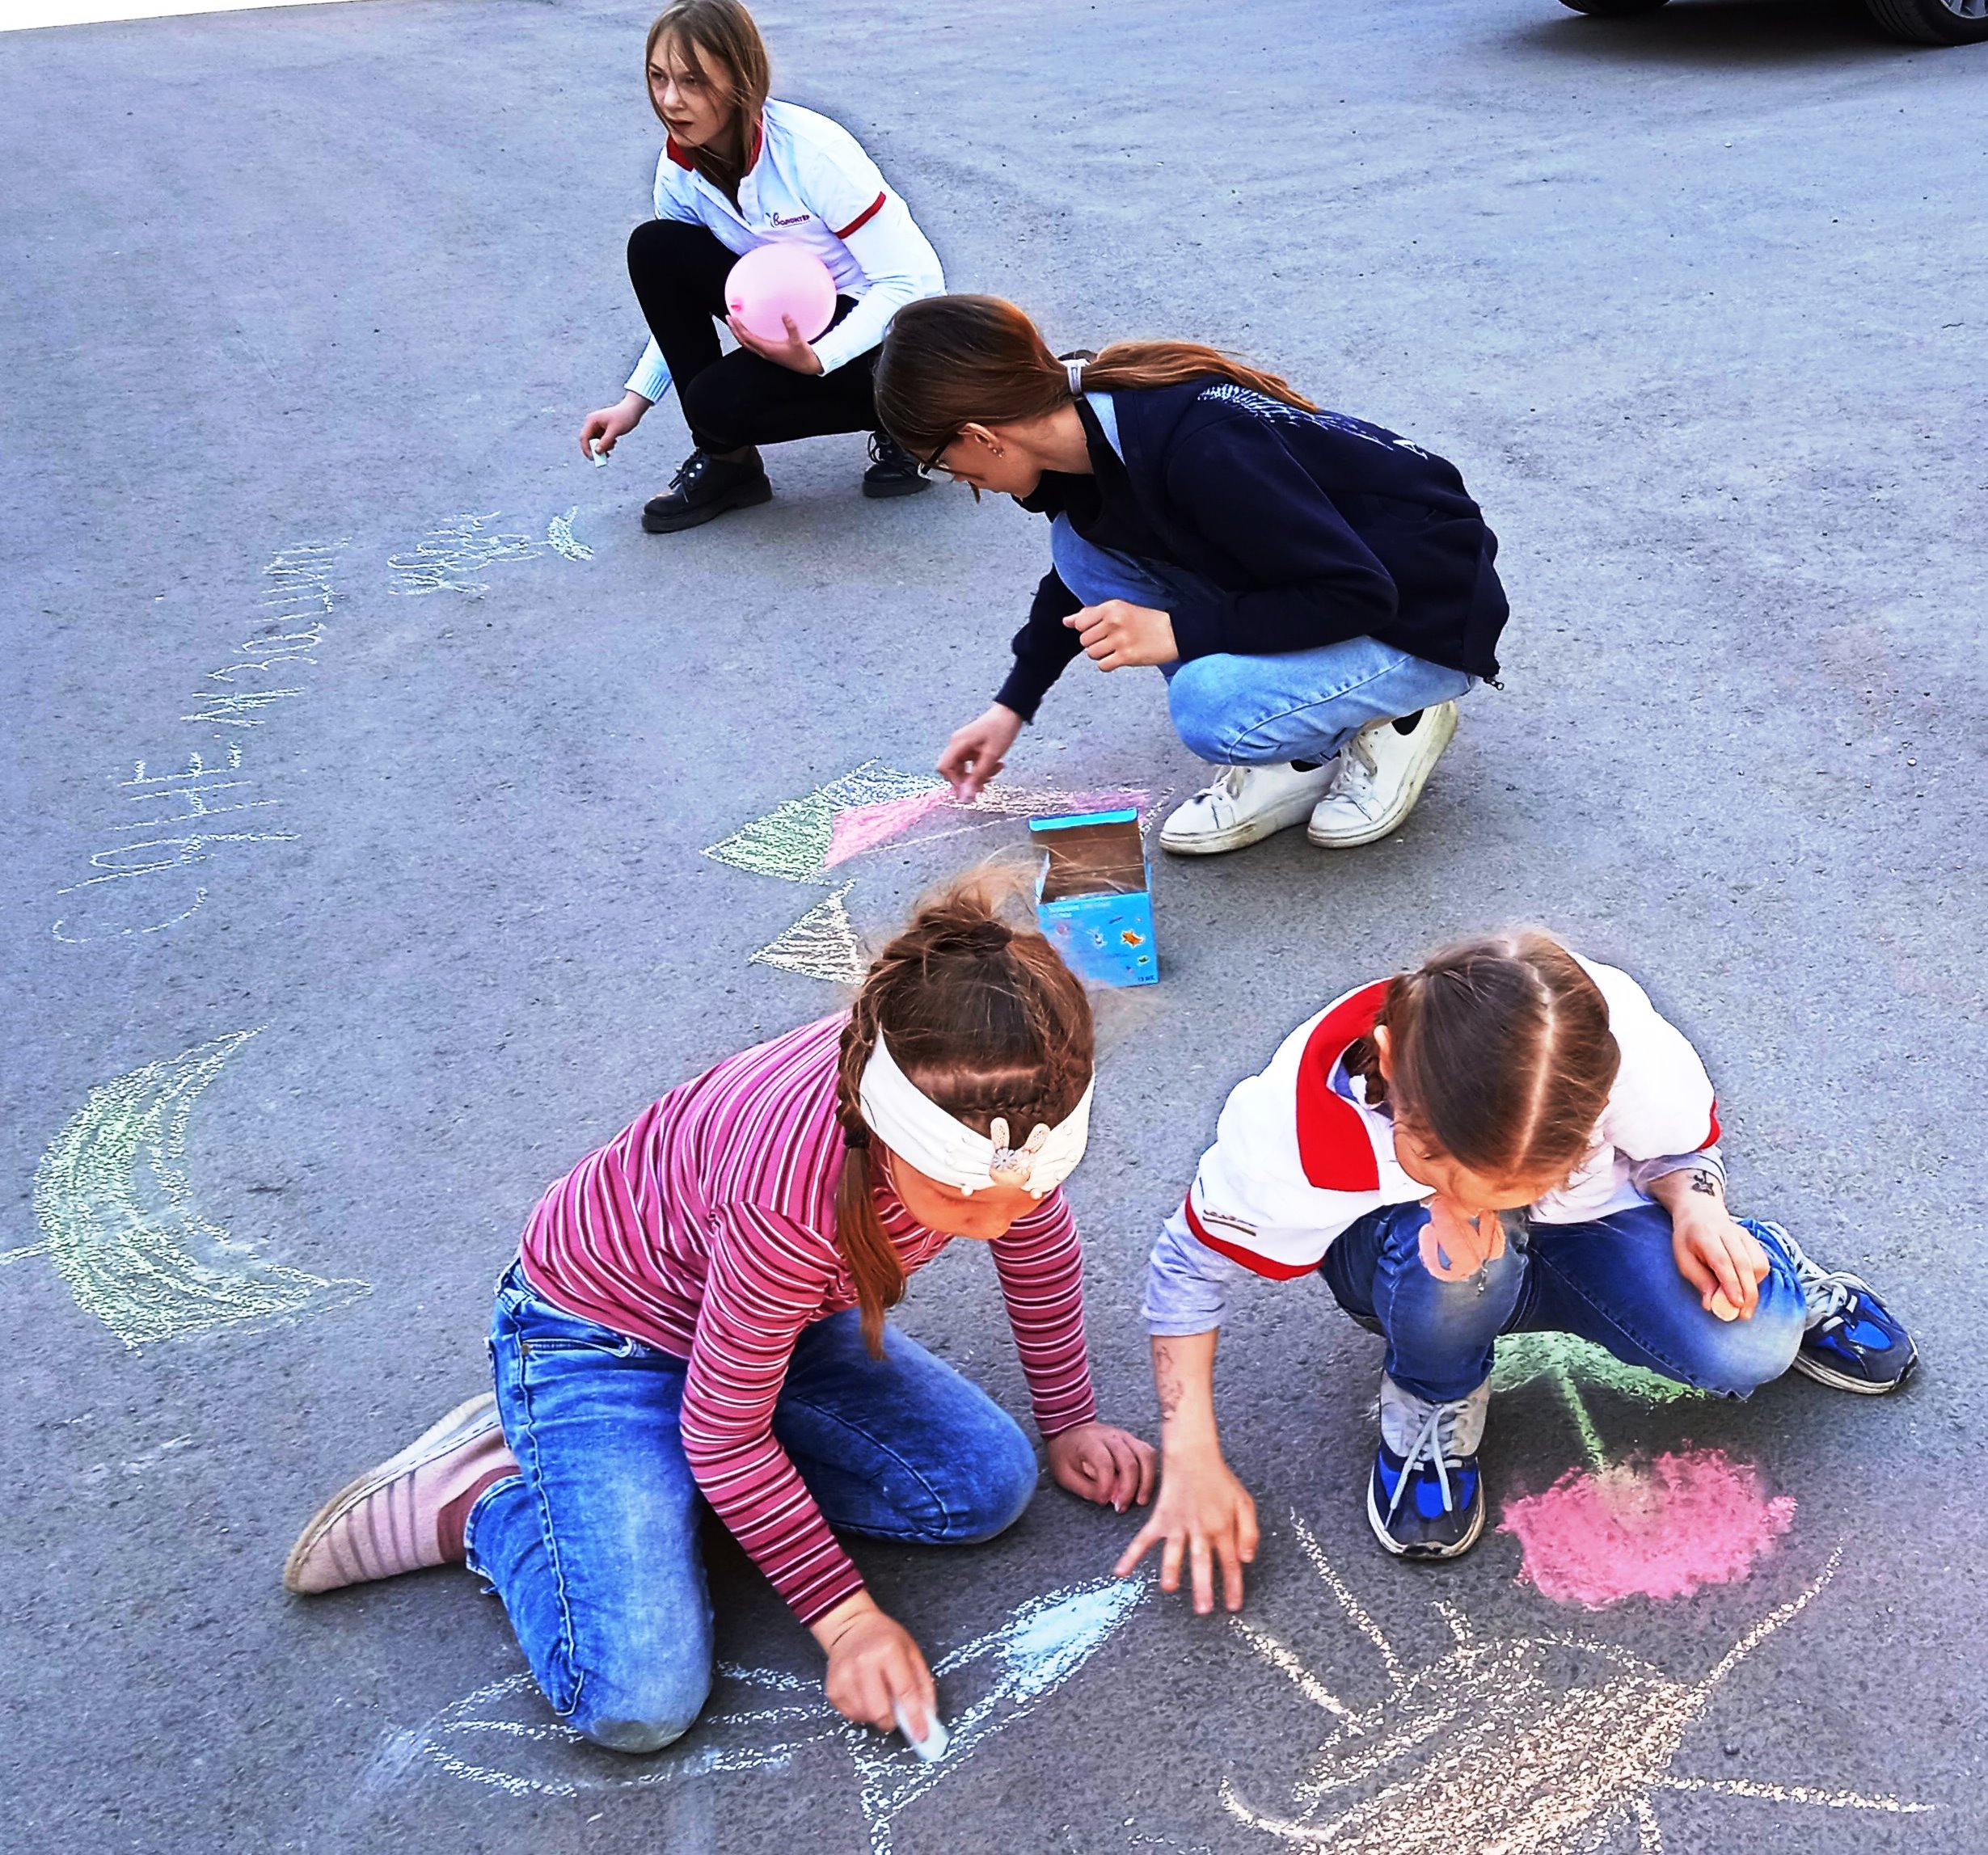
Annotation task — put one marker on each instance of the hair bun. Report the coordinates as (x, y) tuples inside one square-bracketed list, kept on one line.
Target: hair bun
[(985, 937)]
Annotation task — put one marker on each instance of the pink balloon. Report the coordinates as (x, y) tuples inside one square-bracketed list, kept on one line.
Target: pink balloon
[(773, 281)]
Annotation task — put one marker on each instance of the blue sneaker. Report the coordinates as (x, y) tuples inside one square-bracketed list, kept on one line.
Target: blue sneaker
[(1425, 1498), (1854, 1342)]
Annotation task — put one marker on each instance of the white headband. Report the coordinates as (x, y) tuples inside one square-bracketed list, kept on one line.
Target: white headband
[(923, 1134)]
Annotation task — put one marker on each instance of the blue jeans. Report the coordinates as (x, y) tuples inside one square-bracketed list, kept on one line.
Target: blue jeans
[(1613, 1281), (593, 1546), (1257, 711)]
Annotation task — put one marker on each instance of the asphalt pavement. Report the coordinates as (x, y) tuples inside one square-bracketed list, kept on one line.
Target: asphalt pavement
[(363, 754)]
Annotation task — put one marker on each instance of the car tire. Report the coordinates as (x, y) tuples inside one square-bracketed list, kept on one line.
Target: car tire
[(1932, 22), (1614, 9)]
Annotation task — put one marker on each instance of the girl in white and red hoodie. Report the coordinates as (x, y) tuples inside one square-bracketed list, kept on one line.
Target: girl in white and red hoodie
[(739, 171), (1508, 1139)]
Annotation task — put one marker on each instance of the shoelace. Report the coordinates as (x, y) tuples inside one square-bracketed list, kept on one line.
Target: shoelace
[(1826, 1298), (1356, 769), (1432, 1444), (1227, 784), (693, 469)]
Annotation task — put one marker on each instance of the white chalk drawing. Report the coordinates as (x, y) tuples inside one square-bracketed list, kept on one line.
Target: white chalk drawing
[(559, 537), (254, 687), (451, 557), (119, 1222), (120, 897), (822, 945), (191, 790), (502, 1736), (1494, 1746)]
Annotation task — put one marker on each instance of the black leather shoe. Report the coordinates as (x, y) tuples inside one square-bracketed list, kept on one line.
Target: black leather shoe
[(893, 471), (706, 488)]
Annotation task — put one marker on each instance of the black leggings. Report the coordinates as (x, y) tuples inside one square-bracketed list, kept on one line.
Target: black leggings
[(679, 271)]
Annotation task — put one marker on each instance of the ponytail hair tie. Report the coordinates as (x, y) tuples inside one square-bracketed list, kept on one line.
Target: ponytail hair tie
[(1072, 372)]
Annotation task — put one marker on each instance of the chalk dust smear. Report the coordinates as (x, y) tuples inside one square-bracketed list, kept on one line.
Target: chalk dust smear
[(1691, 1518)]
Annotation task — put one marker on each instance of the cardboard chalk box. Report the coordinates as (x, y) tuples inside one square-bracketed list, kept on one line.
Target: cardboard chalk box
[(1094, 897)]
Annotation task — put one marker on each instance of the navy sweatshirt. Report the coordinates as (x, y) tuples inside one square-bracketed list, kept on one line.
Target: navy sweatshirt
[(1315, 527)]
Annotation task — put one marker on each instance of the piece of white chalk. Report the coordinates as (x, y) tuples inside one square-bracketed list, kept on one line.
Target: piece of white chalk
[(599, 456), (932, 1747)]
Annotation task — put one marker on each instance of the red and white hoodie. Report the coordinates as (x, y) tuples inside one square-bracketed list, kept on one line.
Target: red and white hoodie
[(1299, 1156), (810, 183)]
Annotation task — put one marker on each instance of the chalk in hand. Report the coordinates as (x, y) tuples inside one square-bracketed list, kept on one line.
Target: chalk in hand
[(932, 1747), (599, 454)]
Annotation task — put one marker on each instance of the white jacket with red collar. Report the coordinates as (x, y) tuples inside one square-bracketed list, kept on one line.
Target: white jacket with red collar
[(1299, 1156), (810, 183)]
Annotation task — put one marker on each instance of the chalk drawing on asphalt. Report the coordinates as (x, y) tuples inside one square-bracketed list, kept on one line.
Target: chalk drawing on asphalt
[(561, 538), (802, 840), (120, 896), (794, 840), (822, 945), (451, 559), (873, 805), (119, 1222), (502, 1736), (1495, 1745), (1631, 1529)]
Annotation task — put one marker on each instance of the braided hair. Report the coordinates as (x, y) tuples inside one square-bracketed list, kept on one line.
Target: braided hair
[(983, 1015)]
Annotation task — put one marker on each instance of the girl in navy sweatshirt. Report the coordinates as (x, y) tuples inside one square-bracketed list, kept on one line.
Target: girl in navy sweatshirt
[(1317, 591)]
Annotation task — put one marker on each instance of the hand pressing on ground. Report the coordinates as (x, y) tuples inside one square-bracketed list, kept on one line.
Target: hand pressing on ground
[(978, 751), (874, 1667), (1103, 1464), (611, 424), (793, 352), (1119, 635), (1203, 1516)]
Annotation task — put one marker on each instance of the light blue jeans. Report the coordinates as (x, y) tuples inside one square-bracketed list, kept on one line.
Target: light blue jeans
[(1614, 1281), (1256, 711), (593, 1546)]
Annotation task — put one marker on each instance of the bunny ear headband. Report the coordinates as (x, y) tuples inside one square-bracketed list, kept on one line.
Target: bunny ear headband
[(923, 1134)]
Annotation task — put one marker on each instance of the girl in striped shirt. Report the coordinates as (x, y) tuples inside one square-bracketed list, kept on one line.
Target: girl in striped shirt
[(697, 1316)]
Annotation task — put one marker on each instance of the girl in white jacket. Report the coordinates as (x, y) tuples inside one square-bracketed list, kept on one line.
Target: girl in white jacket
[(1510, 1139), (740, 170)]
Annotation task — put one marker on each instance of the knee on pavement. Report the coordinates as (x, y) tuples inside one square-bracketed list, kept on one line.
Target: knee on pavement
[(641, 1708)]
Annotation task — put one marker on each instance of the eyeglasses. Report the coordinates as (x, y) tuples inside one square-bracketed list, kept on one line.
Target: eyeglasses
[(932, 463)]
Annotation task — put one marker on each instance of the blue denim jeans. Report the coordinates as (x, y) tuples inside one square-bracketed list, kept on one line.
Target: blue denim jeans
[(1613, 1281), (594, 1548), (1257, 711)]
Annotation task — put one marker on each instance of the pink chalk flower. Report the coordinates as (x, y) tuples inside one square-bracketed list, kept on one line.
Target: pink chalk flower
[(1688, 1519)]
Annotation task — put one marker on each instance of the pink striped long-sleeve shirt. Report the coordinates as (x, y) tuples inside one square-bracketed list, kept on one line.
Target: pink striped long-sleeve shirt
[(708, 1229)]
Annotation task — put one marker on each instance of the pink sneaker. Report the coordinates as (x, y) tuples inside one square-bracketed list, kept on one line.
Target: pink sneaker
[(408, 1512)]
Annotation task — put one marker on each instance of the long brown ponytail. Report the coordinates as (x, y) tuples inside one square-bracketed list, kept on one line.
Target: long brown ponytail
[(952, 361), (982, 1014), (1499, 1052), (719, 33)]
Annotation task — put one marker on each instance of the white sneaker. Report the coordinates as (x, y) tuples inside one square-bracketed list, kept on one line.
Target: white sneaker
[(1378, 777), (1245, 805)]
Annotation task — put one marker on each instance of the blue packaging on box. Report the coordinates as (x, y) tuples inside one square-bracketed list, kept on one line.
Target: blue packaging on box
[(1094, 896)]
